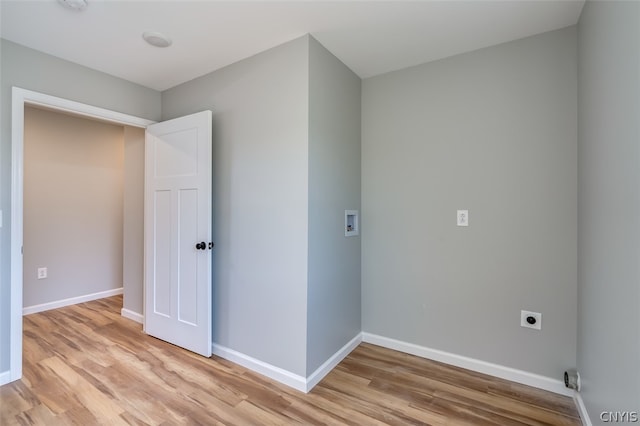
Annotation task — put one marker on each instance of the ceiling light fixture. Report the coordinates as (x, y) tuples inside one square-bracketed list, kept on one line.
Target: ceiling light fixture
[(74, 4), (156, 39)]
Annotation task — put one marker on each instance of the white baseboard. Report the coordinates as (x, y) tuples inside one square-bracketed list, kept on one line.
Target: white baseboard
[(331, 363), (5, 377), (301, 383), (71, 301), (507, 373), (271, 371), (132, 315), (582, 409)]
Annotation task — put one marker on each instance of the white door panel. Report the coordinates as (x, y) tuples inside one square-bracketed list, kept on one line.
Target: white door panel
[(177, 221)]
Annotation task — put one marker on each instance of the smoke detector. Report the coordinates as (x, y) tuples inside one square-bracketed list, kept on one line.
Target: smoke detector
[(156, 39), (74, 4)]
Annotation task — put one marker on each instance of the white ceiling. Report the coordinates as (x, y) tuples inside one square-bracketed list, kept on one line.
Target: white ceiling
[(371, 37)]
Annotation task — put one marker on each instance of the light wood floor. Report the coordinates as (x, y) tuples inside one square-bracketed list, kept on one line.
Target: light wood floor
[(86, 365)]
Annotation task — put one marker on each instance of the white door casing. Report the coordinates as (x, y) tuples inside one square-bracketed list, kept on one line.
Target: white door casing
[(20, 98), (177, 219)]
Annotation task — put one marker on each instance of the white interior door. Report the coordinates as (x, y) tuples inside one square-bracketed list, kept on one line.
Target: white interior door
[(177, 217)]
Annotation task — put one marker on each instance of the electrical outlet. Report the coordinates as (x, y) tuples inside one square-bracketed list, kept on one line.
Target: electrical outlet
[(42, 273), (463, 218), (531, 320)]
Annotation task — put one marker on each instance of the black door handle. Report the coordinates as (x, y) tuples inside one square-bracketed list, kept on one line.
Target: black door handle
[(201, 246), (211, 245)]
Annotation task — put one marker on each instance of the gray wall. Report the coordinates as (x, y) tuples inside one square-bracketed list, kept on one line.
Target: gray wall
[(25, 68), (609, 206), (133, 226), (333, 305), (84, 182), (260, 182), (73, 186), (494, 132)]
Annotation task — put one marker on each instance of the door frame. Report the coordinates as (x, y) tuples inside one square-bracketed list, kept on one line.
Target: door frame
[(19, 99)]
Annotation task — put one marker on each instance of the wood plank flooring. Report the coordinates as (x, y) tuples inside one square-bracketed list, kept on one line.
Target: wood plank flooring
[(86, 365)]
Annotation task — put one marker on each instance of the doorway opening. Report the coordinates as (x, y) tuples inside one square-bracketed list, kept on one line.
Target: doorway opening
[(73, 211), (20, 99)]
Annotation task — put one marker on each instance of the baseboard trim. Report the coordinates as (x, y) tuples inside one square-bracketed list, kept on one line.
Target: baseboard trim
[(271, 371), (331, 363), (5, 377), (582, 410), (496, 370), (134, 316), (295, 381), (71, 301)]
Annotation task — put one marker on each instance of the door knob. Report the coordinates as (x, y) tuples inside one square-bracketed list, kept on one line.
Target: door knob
[(201, 246)]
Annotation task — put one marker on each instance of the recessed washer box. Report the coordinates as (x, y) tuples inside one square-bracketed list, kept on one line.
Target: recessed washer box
[(351, 223)]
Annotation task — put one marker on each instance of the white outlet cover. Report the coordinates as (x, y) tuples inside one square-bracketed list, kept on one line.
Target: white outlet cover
[(462, 218), (523, 320), (42, 273)]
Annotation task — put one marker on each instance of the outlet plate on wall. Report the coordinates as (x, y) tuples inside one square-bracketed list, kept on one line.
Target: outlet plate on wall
[(462, 218), (42, 273), (537, 325)]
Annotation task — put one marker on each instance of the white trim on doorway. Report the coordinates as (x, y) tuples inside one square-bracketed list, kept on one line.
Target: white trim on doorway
[(20, 98)]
